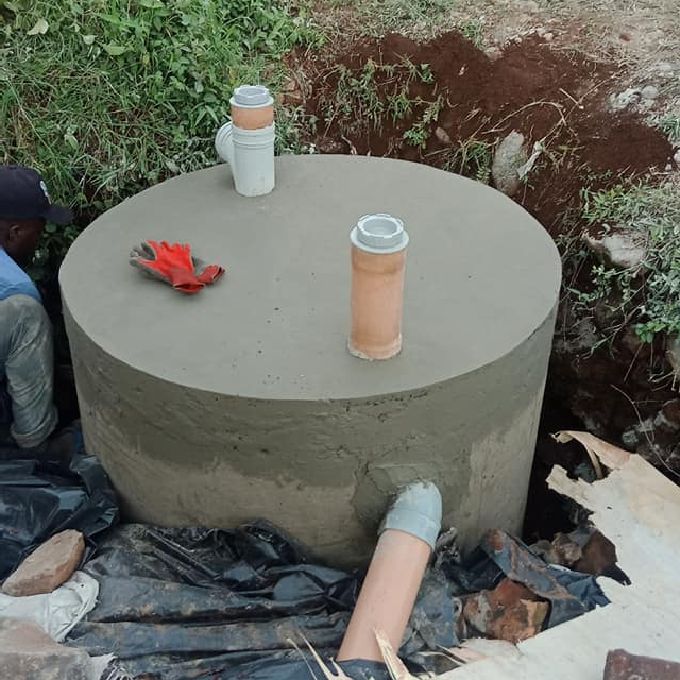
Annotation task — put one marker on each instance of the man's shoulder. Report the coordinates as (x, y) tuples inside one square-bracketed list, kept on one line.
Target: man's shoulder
[(14, 280)]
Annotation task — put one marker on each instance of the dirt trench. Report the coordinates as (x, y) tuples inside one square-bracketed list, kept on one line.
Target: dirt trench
[(448, 104)]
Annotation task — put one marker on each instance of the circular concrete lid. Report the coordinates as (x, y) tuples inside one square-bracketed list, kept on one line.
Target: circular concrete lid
[(481, 277)]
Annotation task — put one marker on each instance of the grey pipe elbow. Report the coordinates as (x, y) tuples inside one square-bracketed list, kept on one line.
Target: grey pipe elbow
[(417, 510)]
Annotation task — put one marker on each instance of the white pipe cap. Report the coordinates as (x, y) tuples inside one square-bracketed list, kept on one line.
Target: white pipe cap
[(252, 96), (379, 233)]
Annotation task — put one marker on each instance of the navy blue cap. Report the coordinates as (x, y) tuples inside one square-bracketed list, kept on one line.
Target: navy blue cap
[(24, 196)]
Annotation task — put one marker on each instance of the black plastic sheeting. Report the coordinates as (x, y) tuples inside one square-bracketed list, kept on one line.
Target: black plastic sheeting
[(183, 604), (209, 603), (39, 499), (180, 604)]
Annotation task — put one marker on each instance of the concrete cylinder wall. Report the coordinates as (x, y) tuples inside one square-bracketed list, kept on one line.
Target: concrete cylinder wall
[(322, 468)]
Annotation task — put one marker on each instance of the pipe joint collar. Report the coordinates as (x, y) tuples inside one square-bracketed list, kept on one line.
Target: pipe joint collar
[(417, 510)]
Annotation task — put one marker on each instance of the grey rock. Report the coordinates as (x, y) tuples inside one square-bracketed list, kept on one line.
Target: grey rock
[(510, 156), (650, 92), (623, 100), (673, 354), (617, 250), (27, 652), (441, 134), (630, 439)]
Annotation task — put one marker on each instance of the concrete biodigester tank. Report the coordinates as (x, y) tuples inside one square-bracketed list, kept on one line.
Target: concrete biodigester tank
[(243, 402)]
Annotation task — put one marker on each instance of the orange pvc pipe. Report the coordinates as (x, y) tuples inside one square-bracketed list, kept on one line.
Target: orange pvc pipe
[(377, 298), (252, 118), (387, 595)]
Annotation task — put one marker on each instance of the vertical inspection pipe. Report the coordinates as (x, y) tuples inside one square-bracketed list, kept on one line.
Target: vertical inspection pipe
[(407, 539), (246, 142), (378, 267)]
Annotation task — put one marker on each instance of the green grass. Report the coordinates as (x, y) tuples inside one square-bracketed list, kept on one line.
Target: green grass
[(363, 99), (670, 126), (646, 296), (472, 29), (106, 97), (401, 16), (419, 133), (471, 158)]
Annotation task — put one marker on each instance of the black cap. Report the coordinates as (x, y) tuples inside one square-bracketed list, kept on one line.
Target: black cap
[(24, 196)]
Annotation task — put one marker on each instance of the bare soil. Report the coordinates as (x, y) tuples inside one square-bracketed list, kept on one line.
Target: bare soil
[(554, 95)]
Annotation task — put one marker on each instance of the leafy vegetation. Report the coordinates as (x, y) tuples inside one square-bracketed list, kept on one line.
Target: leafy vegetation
[(472, 158), (402, 15), (106, 97), (365, 99), (472, 29), (670, 126), (646, 295), (419, 132)]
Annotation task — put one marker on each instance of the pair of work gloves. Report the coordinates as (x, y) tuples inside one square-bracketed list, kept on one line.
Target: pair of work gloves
[(173, 264)]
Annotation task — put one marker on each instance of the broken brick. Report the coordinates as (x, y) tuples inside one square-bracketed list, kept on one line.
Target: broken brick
[(48, 566), (624, 666), (599, 556), (510, 612)]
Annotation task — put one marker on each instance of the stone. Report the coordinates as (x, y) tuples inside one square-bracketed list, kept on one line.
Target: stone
[(442, 136), (511, 612), (650, 92), (510, 156), (617, 249), (621, 665), (598, 556), (622, 100), (291, 93), (27, 652), (673, 354), (48, 566), (630, 438), (329, 145), (565, 550), (669, 415)]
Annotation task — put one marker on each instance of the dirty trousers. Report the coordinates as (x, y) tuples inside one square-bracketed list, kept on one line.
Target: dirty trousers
[(26, 371)]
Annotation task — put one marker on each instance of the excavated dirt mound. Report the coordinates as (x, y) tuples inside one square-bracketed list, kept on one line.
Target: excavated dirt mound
[(556, 97), (448, 104)]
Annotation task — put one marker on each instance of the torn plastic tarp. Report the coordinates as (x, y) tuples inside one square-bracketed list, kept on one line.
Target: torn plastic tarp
[(569, 593), (56, 612), (39, 499)]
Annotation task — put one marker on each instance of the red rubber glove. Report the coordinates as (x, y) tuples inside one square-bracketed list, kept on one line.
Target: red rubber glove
[(173, 264)]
